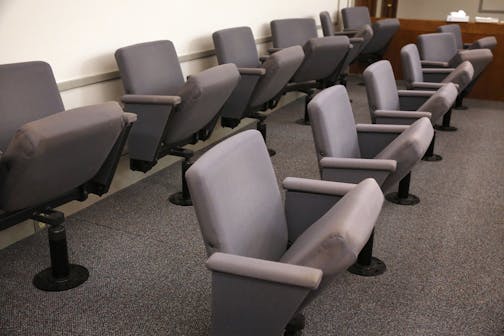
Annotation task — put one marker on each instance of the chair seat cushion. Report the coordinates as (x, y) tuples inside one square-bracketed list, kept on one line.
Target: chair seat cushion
[(407, 149), (334, 241)]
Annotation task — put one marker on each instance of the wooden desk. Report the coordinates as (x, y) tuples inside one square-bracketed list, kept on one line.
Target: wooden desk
[(491, 83)]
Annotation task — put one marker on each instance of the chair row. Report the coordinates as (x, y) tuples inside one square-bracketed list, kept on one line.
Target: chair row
[(51, 156)]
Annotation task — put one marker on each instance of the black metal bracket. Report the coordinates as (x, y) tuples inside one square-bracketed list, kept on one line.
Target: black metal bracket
[(366, 264), (62, 275), (182, 198)]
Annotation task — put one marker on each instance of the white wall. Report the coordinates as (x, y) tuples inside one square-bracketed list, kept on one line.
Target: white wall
[(78, 37), (439, 9)]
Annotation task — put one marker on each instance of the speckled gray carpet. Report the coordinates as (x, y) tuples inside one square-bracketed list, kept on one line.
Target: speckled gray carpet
[(445, 256)]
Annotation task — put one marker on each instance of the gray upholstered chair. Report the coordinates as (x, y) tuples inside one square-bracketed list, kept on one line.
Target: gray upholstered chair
[(488, 42), (354, 18), (49, 157), (418, 78), (439, 50), (359, 40), (261, 83), (324, 56), (171, 113), (351, 153), (269, 260), (387, 105)]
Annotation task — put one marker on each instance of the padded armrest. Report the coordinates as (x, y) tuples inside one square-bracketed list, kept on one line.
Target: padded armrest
[(129, 118), (437, 70), (436, 75), (273, 50), (356, 40), (374, 128), (151, 99), (307, 200), (266, 270), (402, 114), (434, 64), (356, 170), (415, 93), (263, 58), (373, 138), (368, 164), (252, 71), (426, 85), (317, 186), (348, 33), (412, 100)]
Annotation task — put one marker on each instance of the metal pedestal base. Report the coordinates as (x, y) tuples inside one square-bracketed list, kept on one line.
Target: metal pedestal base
[(410, 200), (303, 122), (445, 128), (46, 281), (295, 326), (179, 199), (375, 268), (429, 154), (271, 152), (432, 158)]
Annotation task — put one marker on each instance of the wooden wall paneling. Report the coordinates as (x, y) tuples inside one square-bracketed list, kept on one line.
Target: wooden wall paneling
[(491, 83)]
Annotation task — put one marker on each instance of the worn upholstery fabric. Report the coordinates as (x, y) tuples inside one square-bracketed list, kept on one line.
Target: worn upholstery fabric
[(51, 156), (203, 95), (407, 149), (440, 102), (323, 57), (280, 68)]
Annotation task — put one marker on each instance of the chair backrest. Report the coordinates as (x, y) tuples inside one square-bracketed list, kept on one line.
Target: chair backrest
[(51, 156), (326, 23), (291, 32), (381, 87), (150, 68), (324, 56), (28, 92), (237, 200), (437, 47), (411, 65), (455, 30), (355, 17), (280, 67), (203, 96), (333, 124), (384, 30), (236, 45)]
